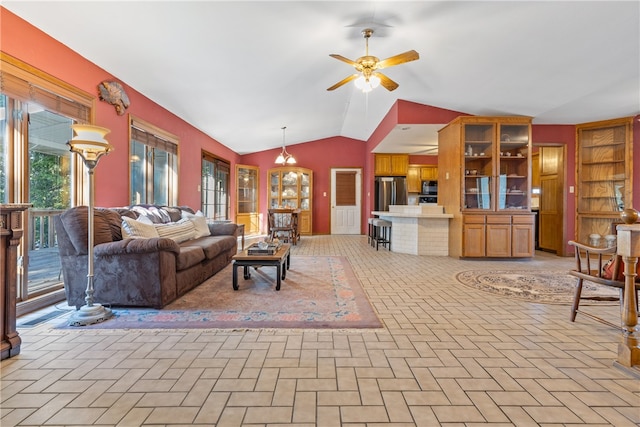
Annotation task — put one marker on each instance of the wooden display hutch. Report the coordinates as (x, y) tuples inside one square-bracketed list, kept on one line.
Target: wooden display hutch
[(292, 187), (247, 210), (604, 175), (484, 180)]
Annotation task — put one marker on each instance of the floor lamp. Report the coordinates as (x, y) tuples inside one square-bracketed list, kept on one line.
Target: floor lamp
[(90, 145)]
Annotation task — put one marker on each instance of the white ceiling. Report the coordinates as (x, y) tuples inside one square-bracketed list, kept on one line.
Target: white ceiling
[(240, 71)]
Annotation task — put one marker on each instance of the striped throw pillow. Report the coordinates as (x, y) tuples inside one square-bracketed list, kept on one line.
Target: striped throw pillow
[(180, 231)]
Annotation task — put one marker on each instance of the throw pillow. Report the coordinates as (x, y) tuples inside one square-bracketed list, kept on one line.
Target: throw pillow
[(199, 223), (179, 232), (134, 229)]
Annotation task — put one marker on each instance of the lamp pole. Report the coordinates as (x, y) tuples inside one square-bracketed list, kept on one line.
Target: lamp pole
[(90, 145)]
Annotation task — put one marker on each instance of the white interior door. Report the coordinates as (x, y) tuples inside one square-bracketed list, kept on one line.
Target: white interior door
[(346, 200)]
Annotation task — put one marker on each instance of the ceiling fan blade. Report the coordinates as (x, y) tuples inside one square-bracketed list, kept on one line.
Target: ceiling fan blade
[(344, 81), (387, 82), (410, 55), (343, 59)]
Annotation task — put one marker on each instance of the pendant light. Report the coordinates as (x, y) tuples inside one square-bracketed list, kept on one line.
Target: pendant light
[(284, 157)]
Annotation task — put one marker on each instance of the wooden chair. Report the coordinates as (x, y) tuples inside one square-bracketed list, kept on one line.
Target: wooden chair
[(283, 223), (590, 265)]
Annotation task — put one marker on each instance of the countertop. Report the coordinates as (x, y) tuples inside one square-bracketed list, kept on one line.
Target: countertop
[(411, 214)]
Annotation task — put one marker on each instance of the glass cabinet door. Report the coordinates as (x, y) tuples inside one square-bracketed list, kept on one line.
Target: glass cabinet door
[(290, 190), (247, 190), (513, 178), (478, 166), (274, 189), (247, 210), (305, 191)]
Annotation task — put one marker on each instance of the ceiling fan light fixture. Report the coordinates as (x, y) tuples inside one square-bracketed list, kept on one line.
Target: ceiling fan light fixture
[(367, 85)]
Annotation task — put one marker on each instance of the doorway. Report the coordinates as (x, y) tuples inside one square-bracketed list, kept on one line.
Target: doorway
[(346, 200), (548, 176)]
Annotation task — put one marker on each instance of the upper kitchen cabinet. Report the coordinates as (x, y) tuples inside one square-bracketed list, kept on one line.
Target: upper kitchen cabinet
[(604, 171), (391, 164), (484, 179), (292, 187), (247, 211), (429, 173)]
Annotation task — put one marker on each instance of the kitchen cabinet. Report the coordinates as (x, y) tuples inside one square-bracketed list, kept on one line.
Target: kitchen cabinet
[(418, 173), (247, 209), (484, 180), (604, 175), (391, 164), (428, 173), (414, 183), (292, 187)]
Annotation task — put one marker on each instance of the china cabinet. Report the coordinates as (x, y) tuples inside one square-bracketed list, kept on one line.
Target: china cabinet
[(292, 187), (247, 211), (391, 164), (484, 180), (604, 175)]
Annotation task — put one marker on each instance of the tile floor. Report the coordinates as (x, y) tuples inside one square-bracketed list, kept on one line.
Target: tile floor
[(447, 356)]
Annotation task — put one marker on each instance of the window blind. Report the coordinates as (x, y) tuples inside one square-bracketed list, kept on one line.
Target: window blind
[(30, 92), (153, 140)]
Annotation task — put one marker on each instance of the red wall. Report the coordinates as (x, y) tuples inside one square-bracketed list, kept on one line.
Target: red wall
[(320, 156)]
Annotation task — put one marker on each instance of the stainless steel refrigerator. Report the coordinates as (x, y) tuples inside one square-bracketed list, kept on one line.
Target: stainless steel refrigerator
[(390, 190)]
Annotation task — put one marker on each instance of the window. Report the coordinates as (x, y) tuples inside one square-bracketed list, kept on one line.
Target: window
[(153, 164), (36, 167), (215, 187)]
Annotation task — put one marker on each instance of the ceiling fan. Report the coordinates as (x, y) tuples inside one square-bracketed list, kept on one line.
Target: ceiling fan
[(368, 76)]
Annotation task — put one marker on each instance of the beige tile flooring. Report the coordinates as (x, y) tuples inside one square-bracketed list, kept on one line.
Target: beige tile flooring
[(447, 356)]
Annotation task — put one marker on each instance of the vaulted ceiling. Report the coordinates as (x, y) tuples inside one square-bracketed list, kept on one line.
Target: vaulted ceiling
[(240, 71)]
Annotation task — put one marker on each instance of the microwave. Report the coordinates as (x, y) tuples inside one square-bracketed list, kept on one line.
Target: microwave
[(429, 188)]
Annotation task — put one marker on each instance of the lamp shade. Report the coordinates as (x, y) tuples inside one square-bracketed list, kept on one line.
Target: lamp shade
[(90, 138), (367, 85)]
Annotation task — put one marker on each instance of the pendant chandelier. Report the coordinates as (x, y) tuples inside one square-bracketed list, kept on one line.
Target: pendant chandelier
[(284, 157)]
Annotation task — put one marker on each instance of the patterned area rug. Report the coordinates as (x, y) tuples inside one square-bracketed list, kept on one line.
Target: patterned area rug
[(319, 292), (551, 287)]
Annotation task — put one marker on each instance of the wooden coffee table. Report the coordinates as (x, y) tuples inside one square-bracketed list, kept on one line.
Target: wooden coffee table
[(281, 260)]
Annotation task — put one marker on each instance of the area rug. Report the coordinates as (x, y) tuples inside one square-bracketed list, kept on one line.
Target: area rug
[(318, 292), (550, 287)]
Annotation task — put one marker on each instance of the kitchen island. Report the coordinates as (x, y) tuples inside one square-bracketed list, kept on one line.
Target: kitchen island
[(418, 229)]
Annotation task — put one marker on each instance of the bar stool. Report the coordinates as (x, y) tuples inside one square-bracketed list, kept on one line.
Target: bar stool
[(382, 232), (370, 232)]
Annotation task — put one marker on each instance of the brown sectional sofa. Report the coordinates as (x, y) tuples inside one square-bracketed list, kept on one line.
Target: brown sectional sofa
[(141, 272)]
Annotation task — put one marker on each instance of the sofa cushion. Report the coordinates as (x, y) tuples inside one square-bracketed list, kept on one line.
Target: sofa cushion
[(76, 224), (136, 229), (199, 223), (213, 245), (174, 213), (223, 229), (154, 213), (180, 231), (189, 256), (114, 220)]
